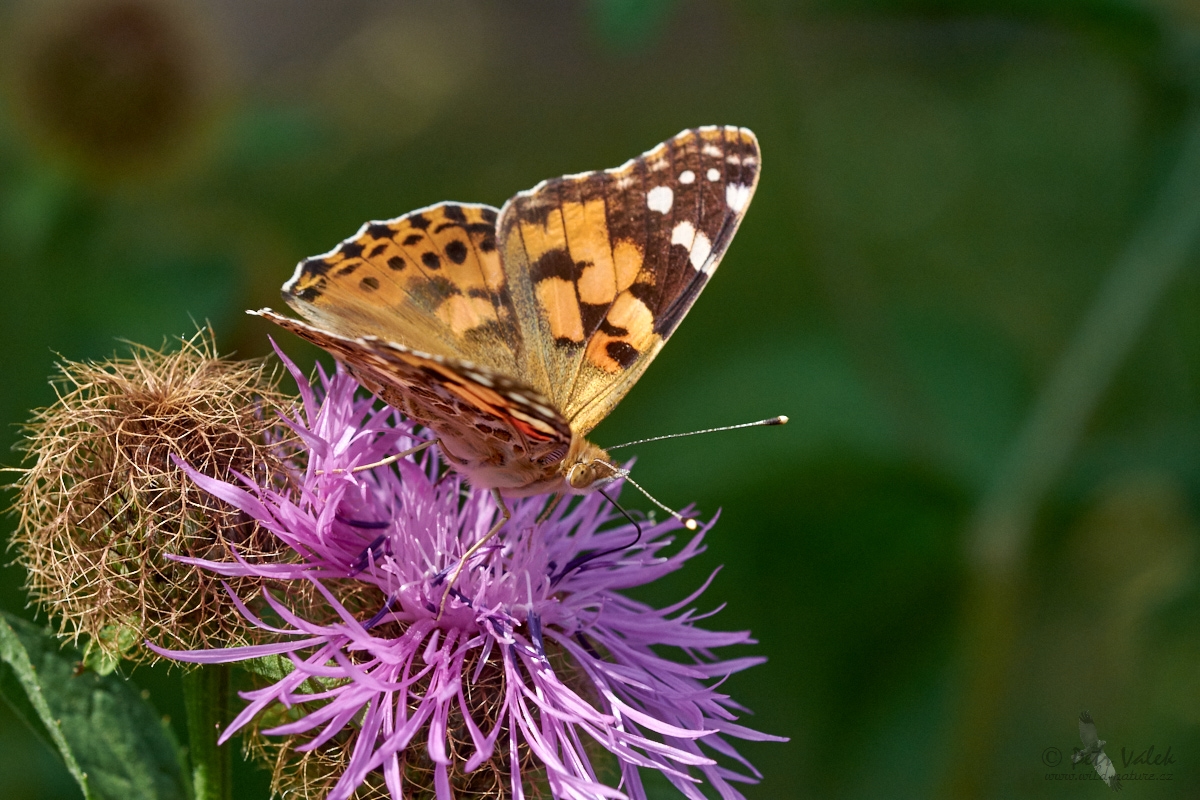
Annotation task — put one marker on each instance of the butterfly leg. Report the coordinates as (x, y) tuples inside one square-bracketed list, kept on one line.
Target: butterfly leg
[(392, 459), (549, 509), (505, 516)]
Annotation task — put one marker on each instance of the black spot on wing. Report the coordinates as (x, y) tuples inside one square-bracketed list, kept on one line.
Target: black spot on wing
[(310, 292), (555, 263), (378, 250), (456, 251), (455, 213), (489, 215), (431, 260), (315, 266), (623, 353), (418, 221), (488, 244), (592, 316), (612, 330), (351, 249), (369, 284), (379, 231), (645, 292), (396, 263), (412, 239)]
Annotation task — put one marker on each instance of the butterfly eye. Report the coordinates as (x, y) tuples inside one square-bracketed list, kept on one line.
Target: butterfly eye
[(589, 474), (577, 476)]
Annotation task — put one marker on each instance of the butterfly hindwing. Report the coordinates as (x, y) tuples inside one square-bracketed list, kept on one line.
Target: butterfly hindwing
[(603, 266), (476, 410)]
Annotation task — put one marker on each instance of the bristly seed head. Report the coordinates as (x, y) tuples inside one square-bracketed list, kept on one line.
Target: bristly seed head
[(102, 507)]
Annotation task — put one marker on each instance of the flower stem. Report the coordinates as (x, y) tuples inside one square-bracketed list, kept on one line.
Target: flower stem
[(206, 691)]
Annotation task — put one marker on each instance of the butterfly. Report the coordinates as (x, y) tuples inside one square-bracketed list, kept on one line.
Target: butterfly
[(511, 333)]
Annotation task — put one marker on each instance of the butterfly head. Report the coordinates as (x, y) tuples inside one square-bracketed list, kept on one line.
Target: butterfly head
[(591, 469)]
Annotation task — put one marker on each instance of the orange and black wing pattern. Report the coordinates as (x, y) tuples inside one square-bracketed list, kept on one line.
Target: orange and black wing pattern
[(431, 280), (603, 266), (513, 333)]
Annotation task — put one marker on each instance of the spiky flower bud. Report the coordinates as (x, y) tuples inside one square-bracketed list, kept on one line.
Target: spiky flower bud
[(104, 508)]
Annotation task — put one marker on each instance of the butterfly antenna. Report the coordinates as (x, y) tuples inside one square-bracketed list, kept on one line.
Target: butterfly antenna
[(690, 524), (780, 420)]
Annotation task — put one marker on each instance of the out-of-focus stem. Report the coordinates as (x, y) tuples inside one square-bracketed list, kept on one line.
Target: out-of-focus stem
[(1003, 525), (206, 692)]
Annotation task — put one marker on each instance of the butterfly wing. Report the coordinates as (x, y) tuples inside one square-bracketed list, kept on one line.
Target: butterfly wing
[(486, 420), (430, 280), (567, 294), (603, 266)]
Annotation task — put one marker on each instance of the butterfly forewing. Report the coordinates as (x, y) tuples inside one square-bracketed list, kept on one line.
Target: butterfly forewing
[(603, 266), (431, 280)]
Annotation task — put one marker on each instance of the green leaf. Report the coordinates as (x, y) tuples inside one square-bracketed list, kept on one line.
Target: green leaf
[(111, 739)]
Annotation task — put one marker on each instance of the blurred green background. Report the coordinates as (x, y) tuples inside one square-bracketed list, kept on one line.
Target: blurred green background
[(969, 277)]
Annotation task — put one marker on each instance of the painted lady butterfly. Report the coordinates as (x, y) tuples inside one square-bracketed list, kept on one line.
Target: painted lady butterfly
[(512, 333)]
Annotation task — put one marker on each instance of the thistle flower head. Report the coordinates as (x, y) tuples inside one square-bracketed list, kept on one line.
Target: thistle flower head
[(101, 505), (539, 677)]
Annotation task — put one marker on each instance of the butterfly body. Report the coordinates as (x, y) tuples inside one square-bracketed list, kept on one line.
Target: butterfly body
[(512, 333)]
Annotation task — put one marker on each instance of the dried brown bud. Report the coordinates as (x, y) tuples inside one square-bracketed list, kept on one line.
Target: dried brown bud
[(103, 505)]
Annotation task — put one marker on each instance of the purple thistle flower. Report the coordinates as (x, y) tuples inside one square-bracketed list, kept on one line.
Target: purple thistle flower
[(541, 608)]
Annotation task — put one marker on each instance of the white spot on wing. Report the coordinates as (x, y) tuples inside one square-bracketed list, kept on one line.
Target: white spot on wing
[(712, 150), (697, 244), (683, 233), (713, 174), (687, 176), (700, 252), (660, 199), (736, 196)]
